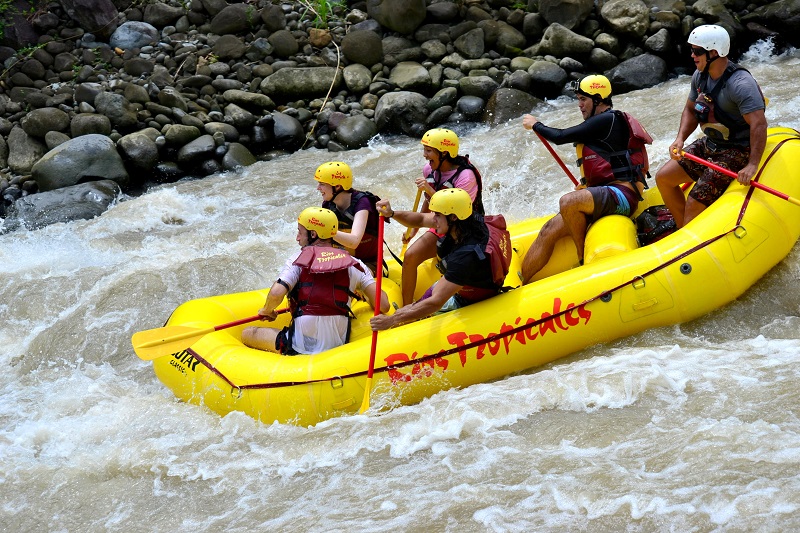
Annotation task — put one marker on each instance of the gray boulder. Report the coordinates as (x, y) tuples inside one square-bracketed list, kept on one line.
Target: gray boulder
[(23, 150), (568, 13), (273, 18), (118, 110), (301, 82), (88, 123), (547, 78), (402, 16), (363, 47), (39, 121), (402, 112), (248, 100), (196, 151), (639, 72), (411, 76), (179, 134), (627, 17), (508, 104), (443, 97), (94, 16), (133, 34), (237, 156), (783, 15), (480, 86), (161, 14), (471, 45), (355, 131), (85, 158), (229, 133), (562, 42), (357, 78), (283, 44), (77, 202), (287, 131), (235, 18), (139, 149)]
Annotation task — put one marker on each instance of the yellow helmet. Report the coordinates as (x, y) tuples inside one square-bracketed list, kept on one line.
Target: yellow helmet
[(443, 140), (335, 173), (319, 219), (453, 201), (593, 85)]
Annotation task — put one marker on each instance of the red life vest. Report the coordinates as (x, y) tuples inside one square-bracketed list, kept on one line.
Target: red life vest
[(632, 164), (324, 285), (498, 251)]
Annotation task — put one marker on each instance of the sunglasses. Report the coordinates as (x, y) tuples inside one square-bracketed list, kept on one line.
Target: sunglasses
[(697, 51)]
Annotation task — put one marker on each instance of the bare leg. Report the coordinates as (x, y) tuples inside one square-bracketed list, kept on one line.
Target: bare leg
[(542, 248), (669, 179), (574, 208), (693, 208), (422, 249), (260, 338)]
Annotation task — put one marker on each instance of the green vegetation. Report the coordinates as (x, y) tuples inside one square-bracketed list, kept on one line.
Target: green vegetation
[(323, 10), (8, 10)]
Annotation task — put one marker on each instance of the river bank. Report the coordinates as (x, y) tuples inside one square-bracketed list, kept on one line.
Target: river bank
[(101, 98)]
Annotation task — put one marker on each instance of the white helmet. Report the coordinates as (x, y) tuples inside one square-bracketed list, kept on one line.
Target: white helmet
[(711, 37)]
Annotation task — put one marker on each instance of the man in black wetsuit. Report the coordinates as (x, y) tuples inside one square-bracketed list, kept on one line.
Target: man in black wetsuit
[(613, 164)]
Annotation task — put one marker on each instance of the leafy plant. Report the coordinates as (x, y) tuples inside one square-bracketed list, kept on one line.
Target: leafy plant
[(322, 10), (8, 10)]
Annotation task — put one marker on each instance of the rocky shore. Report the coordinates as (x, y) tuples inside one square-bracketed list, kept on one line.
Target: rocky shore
[(100, 97)]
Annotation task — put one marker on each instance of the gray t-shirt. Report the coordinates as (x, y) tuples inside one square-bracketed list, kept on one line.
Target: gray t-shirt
[(739, 96)]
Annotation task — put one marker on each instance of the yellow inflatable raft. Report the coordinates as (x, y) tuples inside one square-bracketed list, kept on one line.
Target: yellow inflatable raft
[(622, 289)]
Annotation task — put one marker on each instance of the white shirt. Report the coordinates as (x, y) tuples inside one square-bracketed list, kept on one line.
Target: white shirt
[(315, 334)]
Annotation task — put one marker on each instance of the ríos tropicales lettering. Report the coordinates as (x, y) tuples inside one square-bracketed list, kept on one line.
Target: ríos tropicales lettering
[(558, 320)]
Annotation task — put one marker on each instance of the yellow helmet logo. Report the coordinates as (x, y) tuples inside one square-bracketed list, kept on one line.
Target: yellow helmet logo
[(323, 221), (441, 139), (335, 173)]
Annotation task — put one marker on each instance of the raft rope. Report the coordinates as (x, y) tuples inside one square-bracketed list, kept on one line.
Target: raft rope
[(512, 331)]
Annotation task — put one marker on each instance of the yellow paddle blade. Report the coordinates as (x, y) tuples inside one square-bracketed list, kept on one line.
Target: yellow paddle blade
[(365, 401), (155, 343)]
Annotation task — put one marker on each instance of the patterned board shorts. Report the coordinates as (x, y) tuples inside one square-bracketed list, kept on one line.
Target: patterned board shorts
[(710, 184)]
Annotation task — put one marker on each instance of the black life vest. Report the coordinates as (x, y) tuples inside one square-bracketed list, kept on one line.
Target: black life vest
[(324, 285), (367, 249), (497, 250), (601, 167), (717, 125), (436, 181)]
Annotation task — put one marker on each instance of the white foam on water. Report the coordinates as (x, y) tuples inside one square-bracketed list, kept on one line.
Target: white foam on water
[(686, 428)]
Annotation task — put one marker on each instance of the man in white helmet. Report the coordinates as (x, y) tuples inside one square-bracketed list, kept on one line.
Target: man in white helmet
[(727, 103)]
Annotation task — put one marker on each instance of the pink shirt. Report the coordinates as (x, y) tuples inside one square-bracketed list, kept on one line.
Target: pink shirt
[(466, 180)]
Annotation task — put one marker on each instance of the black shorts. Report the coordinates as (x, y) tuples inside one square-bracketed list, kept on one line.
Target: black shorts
[(283, 341)]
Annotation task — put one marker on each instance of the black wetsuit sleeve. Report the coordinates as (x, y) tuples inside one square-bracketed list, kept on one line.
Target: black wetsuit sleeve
[(594, 128)]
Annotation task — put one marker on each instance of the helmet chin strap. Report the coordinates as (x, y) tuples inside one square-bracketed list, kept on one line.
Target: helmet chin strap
[(709, 60)]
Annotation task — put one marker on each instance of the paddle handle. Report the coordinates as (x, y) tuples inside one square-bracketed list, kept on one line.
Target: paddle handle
[(374, 347), (409, 230), (558, 159), (247, 320), (205, 331), (734, 175)]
